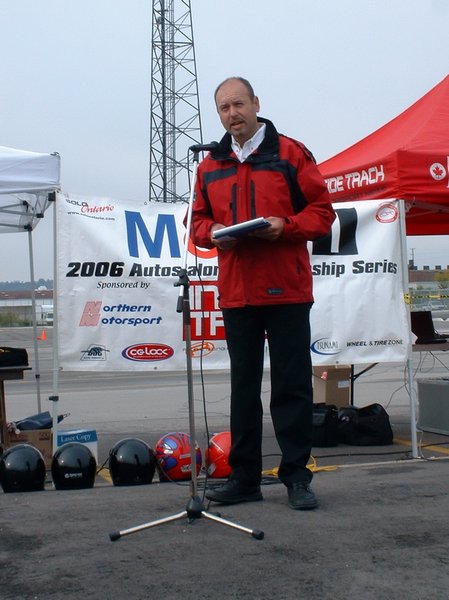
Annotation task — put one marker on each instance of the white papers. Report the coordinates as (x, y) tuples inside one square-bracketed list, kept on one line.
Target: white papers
[(241, 229)]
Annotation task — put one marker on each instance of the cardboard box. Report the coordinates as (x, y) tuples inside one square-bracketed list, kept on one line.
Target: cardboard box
[(39, 438), (332, 385), (42, 439), (87, 437)]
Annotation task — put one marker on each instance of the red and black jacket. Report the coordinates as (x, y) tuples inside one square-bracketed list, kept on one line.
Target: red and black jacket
[(280, 179)]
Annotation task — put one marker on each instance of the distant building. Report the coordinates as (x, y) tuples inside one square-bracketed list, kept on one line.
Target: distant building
[(425, 278), (429, 288), (18, 305)]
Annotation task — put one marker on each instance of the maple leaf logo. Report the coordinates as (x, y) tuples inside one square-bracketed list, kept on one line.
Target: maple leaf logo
[(437, 171)]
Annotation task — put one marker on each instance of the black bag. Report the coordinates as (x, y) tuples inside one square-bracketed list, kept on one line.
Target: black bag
[(42, 420), (325, 425), (367, 426), (13, 357)]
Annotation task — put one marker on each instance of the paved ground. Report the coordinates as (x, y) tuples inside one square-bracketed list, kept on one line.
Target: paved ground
[(381, 531)]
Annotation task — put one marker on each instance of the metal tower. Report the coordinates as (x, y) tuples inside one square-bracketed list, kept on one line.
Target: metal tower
[(175, 115)]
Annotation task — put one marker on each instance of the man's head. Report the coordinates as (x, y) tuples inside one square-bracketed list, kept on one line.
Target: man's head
[(237, 107)]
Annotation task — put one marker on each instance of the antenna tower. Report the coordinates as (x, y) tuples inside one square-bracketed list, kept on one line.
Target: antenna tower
[(175, 115)]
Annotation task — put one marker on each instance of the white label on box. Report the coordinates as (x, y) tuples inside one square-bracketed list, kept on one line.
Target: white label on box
[(343, 384), (82, 436), (76, 435)]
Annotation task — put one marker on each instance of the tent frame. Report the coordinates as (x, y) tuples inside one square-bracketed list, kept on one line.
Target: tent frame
[(28, 185), (409, 362)]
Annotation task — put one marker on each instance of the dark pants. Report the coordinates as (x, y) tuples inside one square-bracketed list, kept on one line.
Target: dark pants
[(287, 329)]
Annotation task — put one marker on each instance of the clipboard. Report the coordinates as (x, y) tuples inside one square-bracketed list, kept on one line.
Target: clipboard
[(241, 229)]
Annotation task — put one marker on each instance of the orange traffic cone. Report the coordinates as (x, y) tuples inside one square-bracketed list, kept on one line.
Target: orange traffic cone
[(43, 336)]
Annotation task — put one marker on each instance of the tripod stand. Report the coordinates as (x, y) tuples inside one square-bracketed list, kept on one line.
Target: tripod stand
[(194, 508)]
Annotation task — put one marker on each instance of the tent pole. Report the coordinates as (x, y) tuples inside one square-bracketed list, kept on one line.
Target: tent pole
[(55, 397), (34, 317), (410, 377)]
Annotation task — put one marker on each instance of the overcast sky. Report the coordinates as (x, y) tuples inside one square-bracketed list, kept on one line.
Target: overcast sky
[(75, 79)]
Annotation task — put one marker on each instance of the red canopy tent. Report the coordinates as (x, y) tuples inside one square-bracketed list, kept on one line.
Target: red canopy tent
[(407, 158)]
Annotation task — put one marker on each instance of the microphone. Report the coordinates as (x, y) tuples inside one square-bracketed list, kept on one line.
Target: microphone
[(204, 147)]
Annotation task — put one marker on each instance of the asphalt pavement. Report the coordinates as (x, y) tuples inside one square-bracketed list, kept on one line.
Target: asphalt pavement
[(381, 530)]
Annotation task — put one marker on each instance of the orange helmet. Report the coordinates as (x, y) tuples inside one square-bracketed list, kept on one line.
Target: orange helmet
[(217, 455)]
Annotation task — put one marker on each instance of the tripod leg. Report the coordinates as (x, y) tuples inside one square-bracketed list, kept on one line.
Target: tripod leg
[(256, 533), (116, 535)]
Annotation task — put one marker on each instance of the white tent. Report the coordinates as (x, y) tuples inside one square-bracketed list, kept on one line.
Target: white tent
[(28, 185), (26, 182)]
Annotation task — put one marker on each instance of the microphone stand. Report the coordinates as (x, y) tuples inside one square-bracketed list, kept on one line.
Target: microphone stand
[(195, 507)]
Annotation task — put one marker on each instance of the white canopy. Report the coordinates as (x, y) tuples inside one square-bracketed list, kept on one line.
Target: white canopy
[(28, 185), (26, 179)]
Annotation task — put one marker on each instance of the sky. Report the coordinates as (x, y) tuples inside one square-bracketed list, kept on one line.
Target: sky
[(75, 79)]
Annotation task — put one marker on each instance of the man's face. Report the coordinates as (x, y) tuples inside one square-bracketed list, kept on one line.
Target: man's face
[(237, 111)]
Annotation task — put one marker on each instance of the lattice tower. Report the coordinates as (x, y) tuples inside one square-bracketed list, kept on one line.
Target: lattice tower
[(175, 122)]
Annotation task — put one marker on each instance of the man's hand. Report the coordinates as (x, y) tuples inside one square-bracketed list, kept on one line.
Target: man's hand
[(223, 243), (270, 233)]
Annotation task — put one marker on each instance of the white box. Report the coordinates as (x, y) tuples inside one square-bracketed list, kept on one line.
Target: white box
[(87, 437)]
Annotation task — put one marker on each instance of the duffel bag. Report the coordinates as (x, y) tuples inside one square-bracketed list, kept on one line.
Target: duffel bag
[(365, 426), (325, 425)]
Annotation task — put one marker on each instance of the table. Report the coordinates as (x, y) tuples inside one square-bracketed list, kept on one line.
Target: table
[(431, 348), (440, 347), (7, 373)]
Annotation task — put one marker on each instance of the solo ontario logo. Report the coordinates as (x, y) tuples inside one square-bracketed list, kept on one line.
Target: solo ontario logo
[(148, 352), (89, 208)]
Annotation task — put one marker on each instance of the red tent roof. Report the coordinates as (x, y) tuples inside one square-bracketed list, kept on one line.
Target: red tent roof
[(407, 158)]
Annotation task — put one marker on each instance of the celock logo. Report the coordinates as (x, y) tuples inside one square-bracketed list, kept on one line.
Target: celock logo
[(148, 352)]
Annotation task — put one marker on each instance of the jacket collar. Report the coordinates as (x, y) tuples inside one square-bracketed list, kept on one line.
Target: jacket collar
[(268, 147)]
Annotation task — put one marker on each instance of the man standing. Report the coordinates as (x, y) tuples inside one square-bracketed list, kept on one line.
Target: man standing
[(265, 286)]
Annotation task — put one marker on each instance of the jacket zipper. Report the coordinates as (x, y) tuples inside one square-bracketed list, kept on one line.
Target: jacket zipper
[(252, 197), (234, 203)]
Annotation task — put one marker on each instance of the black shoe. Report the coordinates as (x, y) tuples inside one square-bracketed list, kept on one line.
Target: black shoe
[(233, 492), (301, 497)]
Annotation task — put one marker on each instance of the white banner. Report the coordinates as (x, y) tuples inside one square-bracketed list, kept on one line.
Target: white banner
[(118, 263), (359, 315)]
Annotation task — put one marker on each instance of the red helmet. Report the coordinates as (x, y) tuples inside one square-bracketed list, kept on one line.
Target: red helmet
[(217, 455), (173, 456)]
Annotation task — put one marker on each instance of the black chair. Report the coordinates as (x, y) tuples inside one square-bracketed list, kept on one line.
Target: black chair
[(422, 327)]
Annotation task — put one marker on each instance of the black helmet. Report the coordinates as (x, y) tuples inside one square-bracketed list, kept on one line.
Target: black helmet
[(73, 467), (131, 462), (22, 469)]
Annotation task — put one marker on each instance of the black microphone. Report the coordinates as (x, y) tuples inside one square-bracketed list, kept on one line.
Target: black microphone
[(204, 147)]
